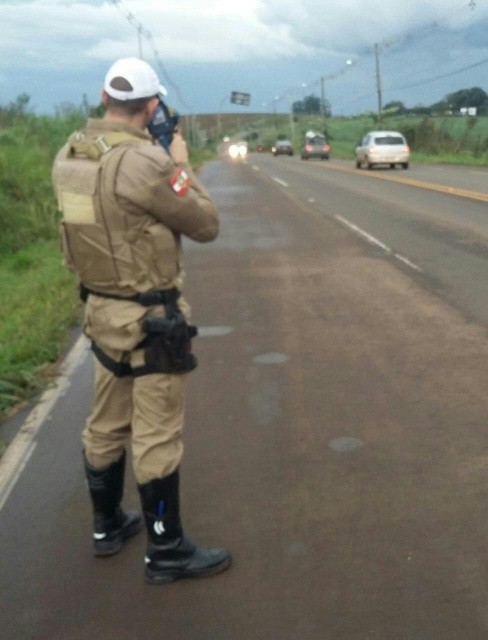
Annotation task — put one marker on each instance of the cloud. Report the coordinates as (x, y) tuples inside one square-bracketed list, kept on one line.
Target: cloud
[(353, 24), (50, 32), (271, 44), (74, 32)]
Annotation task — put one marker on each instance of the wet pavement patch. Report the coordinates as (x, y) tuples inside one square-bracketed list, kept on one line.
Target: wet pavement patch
[(271, 358), (346, 444), (296, 549), (216, 331)]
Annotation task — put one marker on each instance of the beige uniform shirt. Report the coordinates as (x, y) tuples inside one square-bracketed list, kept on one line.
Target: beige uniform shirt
[(142, 204)]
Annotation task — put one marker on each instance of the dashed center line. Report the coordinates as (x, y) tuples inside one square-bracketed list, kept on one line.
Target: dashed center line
[(364, 234), (279, 181), (367, 236)]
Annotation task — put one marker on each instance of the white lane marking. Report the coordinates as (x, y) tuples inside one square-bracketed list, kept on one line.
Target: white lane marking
[(256, 168), (311, 200), (22, 446), (408, 262), (364, 234), (212, 331), (282, 182), (367, 236), (11, 481)]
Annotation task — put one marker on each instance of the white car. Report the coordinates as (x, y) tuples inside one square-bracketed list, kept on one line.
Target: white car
[(382, 147)]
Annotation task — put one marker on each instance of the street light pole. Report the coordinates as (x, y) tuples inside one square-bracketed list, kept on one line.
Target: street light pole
[(292, 122), (378, 79), (139, 34), (219, 117), (322, 97)]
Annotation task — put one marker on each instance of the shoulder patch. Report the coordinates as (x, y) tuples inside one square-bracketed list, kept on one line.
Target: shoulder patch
[(180, 182)]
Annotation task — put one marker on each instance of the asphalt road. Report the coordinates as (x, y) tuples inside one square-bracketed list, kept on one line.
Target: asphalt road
[(438, 234), (336, 431)]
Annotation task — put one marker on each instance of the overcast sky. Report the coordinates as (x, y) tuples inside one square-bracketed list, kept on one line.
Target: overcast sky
[(58, 50)]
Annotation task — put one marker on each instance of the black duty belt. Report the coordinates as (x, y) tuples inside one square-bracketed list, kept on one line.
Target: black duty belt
[(166, 297), (173, 319)]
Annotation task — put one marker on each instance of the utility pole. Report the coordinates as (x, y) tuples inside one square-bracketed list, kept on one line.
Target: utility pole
[(139, 34), (378, 79), (322, 98), (292, 121)]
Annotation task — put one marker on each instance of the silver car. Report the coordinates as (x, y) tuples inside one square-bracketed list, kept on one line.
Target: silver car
[(382, 147)]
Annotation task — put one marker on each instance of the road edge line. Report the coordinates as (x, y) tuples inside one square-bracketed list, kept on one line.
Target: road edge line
[(22, 446)]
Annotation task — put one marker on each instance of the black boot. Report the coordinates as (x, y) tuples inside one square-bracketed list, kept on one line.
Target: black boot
[(111, 524), (170, 554)]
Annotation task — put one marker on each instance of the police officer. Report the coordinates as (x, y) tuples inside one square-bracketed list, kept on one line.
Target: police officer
[(126, 202)]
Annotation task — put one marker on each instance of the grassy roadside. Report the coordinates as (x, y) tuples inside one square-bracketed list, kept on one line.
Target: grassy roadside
[(444, 140), (39, 304), (345, 151)]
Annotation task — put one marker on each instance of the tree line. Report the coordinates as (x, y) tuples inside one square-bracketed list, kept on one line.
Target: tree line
[(451, 104)]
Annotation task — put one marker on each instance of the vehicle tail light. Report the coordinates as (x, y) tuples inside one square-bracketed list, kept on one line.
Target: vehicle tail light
[(326, 147), (309, 147), (406, 148)]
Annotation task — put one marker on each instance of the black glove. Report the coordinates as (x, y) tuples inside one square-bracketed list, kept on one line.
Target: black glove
[(163, 124)]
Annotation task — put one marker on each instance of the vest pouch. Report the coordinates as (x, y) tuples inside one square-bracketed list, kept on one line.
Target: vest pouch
[(154, 250), (84, 240), (76, 183), (65, 248)]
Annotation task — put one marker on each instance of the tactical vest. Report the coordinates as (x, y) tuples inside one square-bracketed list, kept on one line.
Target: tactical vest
[(111, 250)]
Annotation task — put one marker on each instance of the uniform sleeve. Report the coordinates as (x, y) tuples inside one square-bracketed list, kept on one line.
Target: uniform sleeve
[(151, 183)]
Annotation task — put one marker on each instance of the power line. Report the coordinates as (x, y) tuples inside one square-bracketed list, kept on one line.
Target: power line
[(445, 75), (144, 33), (421, 32), (423, 82), (425, 30), (410, 36)]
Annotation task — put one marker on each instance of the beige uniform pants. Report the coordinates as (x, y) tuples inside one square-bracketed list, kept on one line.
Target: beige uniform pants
[(147, 409)]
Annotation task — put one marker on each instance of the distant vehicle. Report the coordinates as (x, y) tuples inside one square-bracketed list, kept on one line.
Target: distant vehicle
[(282, 148), (260, 148), (382, 147), (238, 150), (316, 146)]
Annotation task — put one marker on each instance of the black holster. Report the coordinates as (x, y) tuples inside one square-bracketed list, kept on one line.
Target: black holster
[(167, 347)]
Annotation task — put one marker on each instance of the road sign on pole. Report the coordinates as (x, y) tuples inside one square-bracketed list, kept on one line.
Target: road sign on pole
[(237, 97)]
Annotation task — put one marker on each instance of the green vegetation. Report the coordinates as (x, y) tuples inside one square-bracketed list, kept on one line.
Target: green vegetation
[(38, 295), (447, 139), (39, 304)]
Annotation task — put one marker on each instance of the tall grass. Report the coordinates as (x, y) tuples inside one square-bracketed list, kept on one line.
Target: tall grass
[(39, 303), (462, 140), (27, 205), (38, 298)]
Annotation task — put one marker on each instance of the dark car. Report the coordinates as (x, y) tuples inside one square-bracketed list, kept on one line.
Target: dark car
[(316, 147), (282, 148)]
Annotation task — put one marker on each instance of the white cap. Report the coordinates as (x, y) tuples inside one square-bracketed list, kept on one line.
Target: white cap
[(139, 74)]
